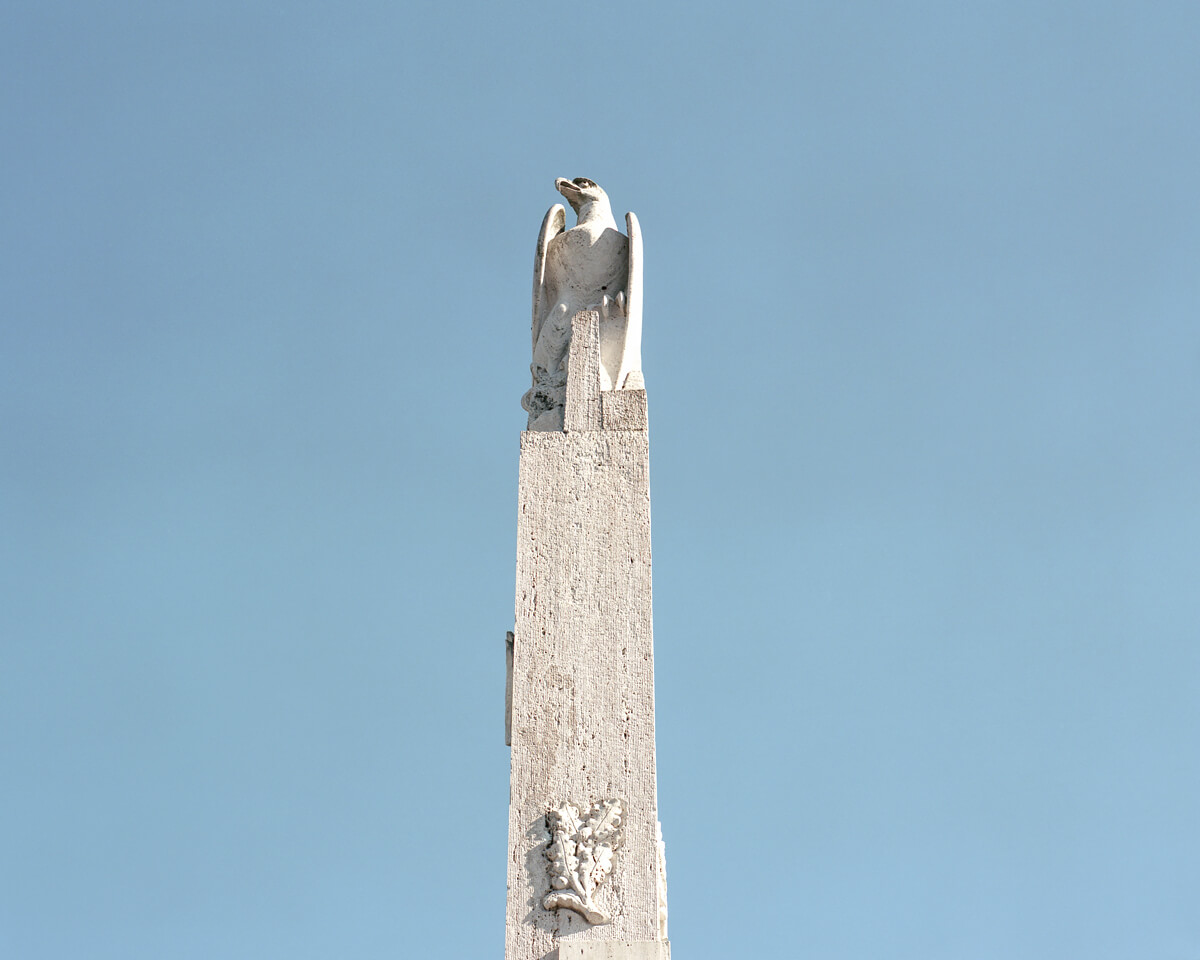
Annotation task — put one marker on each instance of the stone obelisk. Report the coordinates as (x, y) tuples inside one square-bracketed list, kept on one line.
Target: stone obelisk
[(586, 872)]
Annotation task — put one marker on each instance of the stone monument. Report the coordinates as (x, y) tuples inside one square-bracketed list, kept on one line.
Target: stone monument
[(586, 869)]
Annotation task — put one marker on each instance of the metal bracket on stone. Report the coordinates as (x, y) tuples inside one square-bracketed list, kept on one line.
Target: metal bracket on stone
[(509, 642)]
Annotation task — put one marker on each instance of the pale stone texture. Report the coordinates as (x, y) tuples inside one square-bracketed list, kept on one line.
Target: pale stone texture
[(582, 714), (615, 950), (583, 406), (623, 410)]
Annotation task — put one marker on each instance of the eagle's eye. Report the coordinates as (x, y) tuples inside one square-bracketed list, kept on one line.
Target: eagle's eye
[(584, 182)]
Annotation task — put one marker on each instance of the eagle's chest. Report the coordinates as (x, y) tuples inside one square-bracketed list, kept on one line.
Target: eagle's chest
[(582, 266)]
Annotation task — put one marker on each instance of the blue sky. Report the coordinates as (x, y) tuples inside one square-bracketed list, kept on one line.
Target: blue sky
[(923, 357)]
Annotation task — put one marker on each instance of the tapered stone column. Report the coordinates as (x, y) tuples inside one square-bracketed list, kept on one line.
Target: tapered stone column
[(585, 869)]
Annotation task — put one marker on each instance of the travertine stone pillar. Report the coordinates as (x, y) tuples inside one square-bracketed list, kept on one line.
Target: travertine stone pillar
[(582, 682)]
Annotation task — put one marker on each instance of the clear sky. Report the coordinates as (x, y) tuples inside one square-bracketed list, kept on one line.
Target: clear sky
[(922, 345)]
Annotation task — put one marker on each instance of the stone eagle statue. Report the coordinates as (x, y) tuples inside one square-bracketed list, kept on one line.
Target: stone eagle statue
[(592, 266)]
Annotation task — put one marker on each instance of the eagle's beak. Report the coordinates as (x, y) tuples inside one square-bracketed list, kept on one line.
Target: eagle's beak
[(563, 185)]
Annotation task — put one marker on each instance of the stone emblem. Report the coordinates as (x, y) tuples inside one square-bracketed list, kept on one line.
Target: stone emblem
[(581, 853)]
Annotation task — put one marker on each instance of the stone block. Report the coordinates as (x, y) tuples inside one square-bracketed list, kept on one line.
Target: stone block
[(615, 950), (582, 411), (624, 410)]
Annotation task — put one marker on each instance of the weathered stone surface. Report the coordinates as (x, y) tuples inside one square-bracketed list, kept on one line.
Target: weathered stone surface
[(582, 714), (624, 410), (582, 411), (615, 950)]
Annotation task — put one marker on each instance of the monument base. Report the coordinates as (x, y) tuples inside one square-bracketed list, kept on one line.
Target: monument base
[(615, 950)]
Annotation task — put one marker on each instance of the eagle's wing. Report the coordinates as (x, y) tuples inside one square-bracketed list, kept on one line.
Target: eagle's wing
[(631, 356), (552, 226)]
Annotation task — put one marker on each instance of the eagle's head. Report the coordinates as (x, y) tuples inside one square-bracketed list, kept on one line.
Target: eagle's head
[(579, 191)]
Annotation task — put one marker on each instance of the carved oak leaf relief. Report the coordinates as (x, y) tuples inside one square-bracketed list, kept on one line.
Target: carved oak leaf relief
[(580, 855)]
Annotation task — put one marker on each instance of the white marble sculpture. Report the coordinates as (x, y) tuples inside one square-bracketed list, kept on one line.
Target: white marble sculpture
[(581, 852), (592, 266)]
